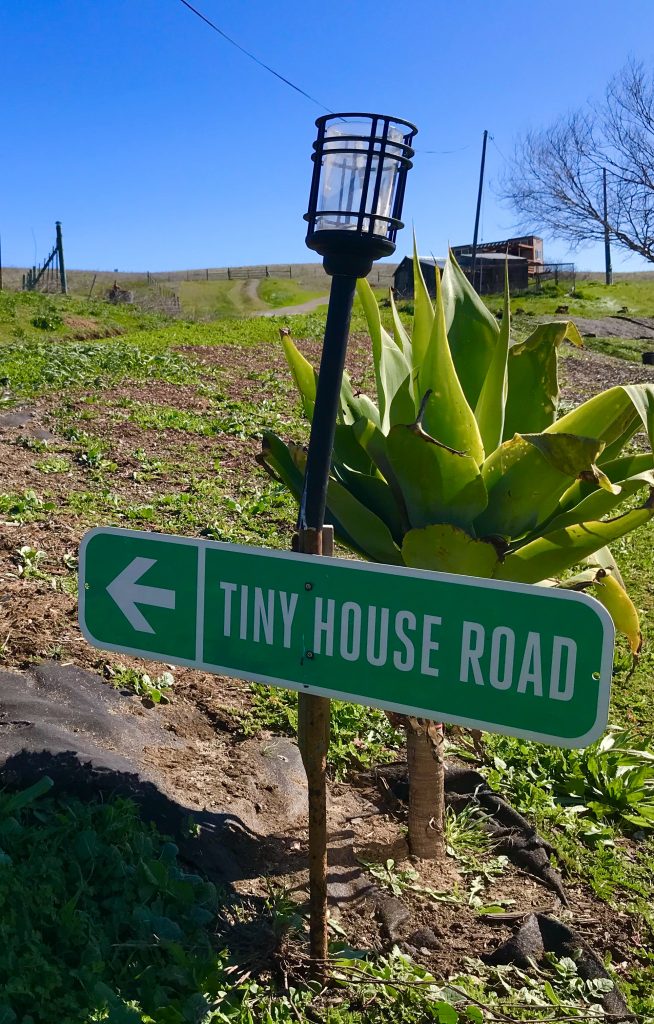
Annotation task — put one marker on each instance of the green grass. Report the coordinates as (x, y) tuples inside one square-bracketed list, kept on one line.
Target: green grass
[(217, 299), (33, 366), (28, 507), (589, 299), (228, 416), (36, 315), (101, 922), (210, 299), (277, 292), (620, 348)]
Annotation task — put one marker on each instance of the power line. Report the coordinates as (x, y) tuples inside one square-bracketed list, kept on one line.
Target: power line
[(442, 152), (492, 138), (287, 81), (256, 60)]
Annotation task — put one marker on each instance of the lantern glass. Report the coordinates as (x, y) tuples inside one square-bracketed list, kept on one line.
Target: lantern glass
[(343, 178), (360, 164)]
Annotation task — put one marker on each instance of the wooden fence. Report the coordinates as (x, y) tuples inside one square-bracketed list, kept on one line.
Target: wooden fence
[(90, 282), (382, 274)]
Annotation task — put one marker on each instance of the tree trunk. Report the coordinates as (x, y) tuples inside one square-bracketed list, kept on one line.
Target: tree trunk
[(426, 788)]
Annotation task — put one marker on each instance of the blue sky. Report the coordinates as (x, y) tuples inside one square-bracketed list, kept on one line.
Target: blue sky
[(160, 146)]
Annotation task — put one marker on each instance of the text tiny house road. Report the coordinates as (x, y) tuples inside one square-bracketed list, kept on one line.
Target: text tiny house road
[(528, 661)]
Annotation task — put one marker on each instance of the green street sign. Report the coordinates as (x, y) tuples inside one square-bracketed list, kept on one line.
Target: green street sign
[(523, 660)]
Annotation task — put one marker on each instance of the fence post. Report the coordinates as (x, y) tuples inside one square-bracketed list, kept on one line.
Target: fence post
[(62, 267), (229, 274)]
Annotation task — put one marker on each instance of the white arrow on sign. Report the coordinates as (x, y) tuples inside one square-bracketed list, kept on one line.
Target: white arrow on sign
[(127, 592)]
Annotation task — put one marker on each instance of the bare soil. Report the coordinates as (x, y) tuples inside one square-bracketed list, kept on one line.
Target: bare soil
[(586, 373)]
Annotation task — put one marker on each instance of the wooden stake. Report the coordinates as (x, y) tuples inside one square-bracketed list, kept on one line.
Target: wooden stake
[(313, 740)]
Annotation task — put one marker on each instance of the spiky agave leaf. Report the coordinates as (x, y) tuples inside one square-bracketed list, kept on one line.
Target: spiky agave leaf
[(490, 410), (447, 416), (562, 549), (533, 385), (472, 331), (392, 371)]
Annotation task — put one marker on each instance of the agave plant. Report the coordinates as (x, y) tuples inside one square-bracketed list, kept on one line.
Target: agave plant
[(464, 465)]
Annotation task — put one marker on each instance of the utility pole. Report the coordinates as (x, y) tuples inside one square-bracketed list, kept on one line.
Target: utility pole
[(60, 251), (473, 261), (608, 273)]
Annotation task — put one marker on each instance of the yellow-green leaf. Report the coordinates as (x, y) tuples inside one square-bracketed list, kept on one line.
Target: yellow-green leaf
[(611, 417), (526, 476), (557, 551), (600, 502), (471, 329), (392, 372), (357, 406), (621, 608), (354, 523), (489, 411), (423, 312), (438, 485), (304, 375), (446, 548), (402, 338), (375, 494), (533, 396), (447, 416)]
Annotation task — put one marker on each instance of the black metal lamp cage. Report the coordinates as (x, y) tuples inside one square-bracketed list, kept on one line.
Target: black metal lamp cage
[(360, 164)]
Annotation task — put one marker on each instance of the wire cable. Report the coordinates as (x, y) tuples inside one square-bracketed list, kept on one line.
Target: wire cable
[(287, 81), (492, 138), (442, 152), (256, 60)]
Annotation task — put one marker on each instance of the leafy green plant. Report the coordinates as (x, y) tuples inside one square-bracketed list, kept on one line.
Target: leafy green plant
[(29, 560), (34, 366), (556, 992), (466, 839), (465, 466), (395, 990), (27, 507), (99, 921), (400, 879), (47, 322), (53, 464), (611, 781), (153, 691)]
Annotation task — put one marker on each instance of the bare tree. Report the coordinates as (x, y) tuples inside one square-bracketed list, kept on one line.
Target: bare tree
[(555, 182)]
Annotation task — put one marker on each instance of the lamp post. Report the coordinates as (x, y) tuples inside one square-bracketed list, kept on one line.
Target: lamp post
[(360, 164)]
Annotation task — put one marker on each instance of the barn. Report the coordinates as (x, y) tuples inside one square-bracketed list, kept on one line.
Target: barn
[(489, 273)]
